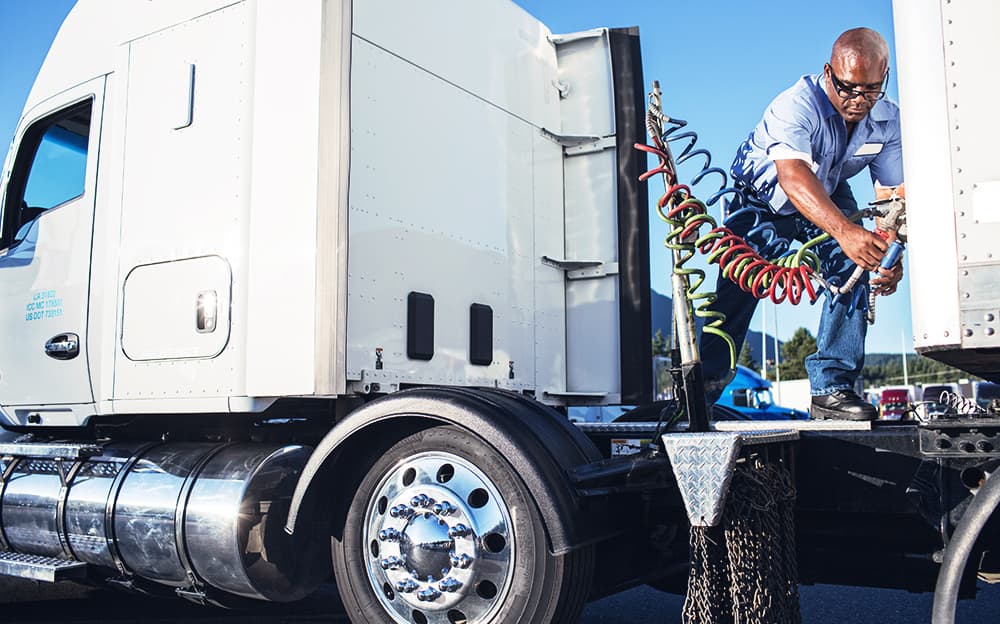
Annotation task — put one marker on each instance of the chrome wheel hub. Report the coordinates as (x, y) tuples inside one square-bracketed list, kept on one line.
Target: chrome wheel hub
[(439, 541)]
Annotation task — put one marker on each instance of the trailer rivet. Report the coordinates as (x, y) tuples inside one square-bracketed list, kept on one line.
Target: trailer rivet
[(968, 333), (988, 317), (990, 331)]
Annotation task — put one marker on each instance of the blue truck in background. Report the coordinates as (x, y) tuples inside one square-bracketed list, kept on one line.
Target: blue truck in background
[(747, 397)]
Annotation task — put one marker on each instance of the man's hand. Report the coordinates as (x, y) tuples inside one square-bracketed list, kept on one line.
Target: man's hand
[(888, 279), (863, 247), (885, 192)]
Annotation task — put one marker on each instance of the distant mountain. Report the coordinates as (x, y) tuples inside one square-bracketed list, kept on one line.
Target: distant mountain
[(662, 317)]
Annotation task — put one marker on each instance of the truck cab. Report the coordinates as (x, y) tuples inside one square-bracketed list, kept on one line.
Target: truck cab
[(894, 403), (748, 396)]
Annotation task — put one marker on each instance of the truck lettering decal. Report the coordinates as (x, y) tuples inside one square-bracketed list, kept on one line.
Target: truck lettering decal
[(44, 304)]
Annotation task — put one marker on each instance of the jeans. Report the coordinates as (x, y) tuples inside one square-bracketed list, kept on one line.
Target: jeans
[(841, 336)]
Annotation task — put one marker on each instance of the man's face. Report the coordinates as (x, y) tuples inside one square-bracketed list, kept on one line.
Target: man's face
[(853, 84)]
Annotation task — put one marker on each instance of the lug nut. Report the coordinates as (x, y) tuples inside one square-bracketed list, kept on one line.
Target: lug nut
[(406, 586), (428, 595), (450, 585), (391, 563), (388, 535), (459, 530), (421, 501), (444, 508), (401, 511), (460, 561)]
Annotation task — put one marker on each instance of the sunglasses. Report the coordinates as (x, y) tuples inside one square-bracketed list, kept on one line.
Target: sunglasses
[(850, 91)]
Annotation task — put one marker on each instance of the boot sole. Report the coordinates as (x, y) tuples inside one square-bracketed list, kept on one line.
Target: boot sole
[(822, 413)]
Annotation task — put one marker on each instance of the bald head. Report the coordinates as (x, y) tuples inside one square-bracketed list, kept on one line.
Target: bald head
[(860, 46), (858, 65)]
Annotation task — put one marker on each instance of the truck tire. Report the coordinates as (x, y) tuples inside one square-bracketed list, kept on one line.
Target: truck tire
[(442, 530)]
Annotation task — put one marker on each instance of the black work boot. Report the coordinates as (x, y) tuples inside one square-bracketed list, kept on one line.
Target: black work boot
[(841, 405)]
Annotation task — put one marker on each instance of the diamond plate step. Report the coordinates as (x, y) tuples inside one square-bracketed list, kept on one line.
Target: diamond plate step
[(616, 427), (39, 568), (53, 450), (703, 466)]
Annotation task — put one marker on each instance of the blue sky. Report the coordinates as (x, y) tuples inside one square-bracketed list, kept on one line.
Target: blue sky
[(719, 64)]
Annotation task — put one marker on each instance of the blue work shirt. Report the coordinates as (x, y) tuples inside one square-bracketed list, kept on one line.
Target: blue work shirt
[(802, 123)]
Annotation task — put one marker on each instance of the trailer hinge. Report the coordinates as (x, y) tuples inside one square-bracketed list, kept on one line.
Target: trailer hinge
[(577, 145), (372, 382), (580, 397), (562, 87), (582, 269), (593, 33)]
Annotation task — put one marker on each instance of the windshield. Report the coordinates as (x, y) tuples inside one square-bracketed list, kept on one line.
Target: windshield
[(933, 393), (762, 397), (986, 392)]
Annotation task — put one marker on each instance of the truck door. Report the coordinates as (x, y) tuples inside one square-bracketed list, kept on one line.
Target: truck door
[(46, 227)]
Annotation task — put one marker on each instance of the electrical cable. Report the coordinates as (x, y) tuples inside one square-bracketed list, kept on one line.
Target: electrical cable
[(785, 278), (960, 404)]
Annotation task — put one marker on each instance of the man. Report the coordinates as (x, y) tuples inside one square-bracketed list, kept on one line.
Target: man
[(813, 137)]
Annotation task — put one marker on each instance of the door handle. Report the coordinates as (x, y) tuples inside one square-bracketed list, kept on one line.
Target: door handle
[(63, 347)]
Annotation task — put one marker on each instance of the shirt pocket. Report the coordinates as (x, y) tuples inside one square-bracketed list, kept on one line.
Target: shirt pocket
[(855, 164)]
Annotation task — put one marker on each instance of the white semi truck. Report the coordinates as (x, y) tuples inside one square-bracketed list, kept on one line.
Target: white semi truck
[(293, 290)]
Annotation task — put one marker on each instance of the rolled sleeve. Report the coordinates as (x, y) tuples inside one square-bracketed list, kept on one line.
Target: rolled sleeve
[(787, 130), (887, 168)]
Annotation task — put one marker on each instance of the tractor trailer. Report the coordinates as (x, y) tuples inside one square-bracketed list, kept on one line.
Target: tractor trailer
[(293, 291)]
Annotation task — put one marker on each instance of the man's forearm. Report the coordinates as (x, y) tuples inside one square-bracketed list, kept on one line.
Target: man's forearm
[(806, 192)]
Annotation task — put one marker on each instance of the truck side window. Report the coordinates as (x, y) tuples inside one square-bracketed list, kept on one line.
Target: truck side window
[(49, 169)]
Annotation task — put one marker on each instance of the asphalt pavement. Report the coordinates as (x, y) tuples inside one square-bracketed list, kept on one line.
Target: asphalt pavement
[(30, 602)]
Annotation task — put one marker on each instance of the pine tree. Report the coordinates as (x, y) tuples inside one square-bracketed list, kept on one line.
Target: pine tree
[(794, 353), (746, 357), (659, 344)]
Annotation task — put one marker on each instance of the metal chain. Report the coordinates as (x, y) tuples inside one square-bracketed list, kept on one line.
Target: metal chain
[(745, 571)]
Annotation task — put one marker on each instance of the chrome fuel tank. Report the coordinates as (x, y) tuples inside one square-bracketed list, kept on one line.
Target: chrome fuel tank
[(179, 514)]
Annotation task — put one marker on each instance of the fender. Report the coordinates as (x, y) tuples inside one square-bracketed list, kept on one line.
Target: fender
[(956, 554), (539, 443)]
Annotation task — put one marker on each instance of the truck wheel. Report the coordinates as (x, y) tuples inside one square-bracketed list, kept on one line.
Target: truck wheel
[(441, 530)]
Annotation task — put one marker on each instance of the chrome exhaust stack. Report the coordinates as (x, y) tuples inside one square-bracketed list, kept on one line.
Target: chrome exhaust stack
[(191, 516)]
